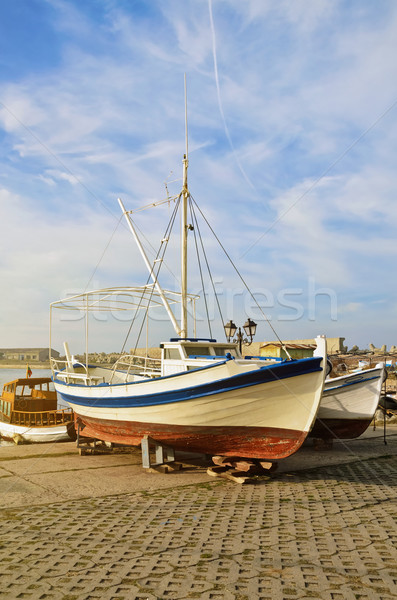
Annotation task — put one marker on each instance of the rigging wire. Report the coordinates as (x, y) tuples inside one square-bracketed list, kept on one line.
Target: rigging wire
[(160, 259), (103, 253), (162, 248), (196, 224), (199, 264), (153, 251), (241, 277)]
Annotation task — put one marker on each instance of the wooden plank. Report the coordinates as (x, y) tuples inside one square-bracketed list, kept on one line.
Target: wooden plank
[(225, 460), (216, 471), (227, 473), (270, 467)]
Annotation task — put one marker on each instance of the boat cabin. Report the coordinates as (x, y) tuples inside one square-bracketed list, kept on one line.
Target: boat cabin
[(31, 402), (187, 354)]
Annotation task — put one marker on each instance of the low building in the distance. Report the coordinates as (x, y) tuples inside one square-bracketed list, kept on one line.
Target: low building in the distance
[(301, 348), (27, 354), (295, 350)]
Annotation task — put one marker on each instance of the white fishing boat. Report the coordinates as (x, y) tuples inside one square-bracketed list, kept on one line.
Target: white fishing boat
[(348, 404), (29, 412), (202, 395)]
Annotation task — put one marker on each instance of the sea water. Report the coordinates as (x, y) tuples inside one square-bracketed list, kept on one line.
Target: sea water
[(7, 375)]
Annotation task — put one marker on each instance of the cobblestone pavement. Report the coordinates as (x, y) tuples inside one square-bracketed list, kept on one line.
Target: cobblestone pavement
[(328, 533)]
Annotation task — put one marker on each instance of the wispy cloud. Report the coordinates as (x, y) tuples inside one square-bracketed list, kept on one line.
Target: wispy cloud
[(291, 139)]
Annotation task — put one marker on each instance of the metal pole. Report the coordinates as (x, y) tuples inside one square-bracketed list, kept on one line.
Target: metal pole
[(384, 410), (86, 333), (240, 341), (185, 194), (156, 283), (49, 341)]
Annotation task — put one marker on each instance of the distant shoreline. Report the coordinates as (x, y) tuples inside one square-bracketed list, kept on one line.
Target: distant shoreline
[(22, 365)]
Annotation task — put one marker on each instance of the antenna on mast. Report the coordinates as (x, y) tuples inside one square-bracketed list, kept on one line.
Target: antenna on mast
[(185, 194), (187, 153)]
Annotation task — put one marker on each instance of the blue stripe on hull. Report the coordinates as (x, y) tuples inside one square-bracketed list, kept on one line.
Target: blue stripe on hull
[(259, 376), (348, 384)]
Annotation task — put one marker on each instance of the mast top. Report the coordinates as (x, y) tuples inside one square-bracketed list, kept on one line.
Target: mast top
[(186, 135)]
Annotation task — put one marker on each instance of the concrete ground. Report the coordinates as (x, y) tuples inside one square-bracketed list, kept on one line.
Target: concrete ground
[(99, 526)]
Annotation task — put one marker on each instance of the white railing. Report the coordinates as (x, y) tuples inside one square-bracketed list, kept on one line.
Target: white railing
[(124, 367), (62, 369), (137, 365)]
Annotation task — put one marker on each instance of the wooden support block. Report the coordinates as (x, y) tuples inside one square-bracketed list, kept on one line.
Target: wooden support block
[(252, 466), (227, 473), (245, 465), (225, 460), (216, 471), (164, 468), (158, 469), (268, 466), (239, 477)]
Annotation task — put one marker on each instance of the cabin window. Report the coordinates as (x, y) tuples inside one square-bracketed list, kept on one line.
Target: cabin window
[(198, 351), (172, 353), (223, 350)]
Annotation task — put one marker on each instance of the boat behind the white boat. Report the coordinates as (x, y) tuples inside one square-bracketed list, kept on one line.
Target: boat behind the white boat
[(348, 404)]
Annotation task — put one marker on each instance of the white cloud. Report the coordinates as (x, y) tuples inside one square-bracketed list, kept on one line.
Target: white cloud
[(351, 307), (51, 176), (299, 84)]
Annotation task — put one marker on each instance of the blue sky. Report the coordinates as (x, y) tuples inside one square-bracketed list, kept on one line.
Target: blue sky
[(292, 110)]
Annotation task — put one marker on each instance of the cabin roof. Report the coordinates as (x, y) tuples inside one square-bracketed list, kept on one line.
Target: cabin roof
[(31, 381), (290, 346)]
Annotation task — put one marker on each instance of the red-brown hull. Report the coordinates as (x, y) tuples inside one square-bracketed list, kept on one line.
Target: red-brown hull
[(339, 428), (248, 442)]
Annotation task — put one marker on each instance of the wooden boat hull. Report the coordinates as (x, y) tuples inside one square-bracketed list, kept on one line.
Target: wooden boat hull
[(263, 412), (56, 433), (29, 412), (348, 404), (249, 442)]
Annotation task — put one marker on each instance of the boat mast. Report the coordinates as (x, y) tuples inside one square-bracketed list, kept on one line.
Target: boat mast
[(185, 195)]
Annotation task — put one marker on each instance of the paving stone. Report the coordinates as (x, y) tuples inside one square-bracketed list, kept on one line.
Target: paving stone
[(328, 534)]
